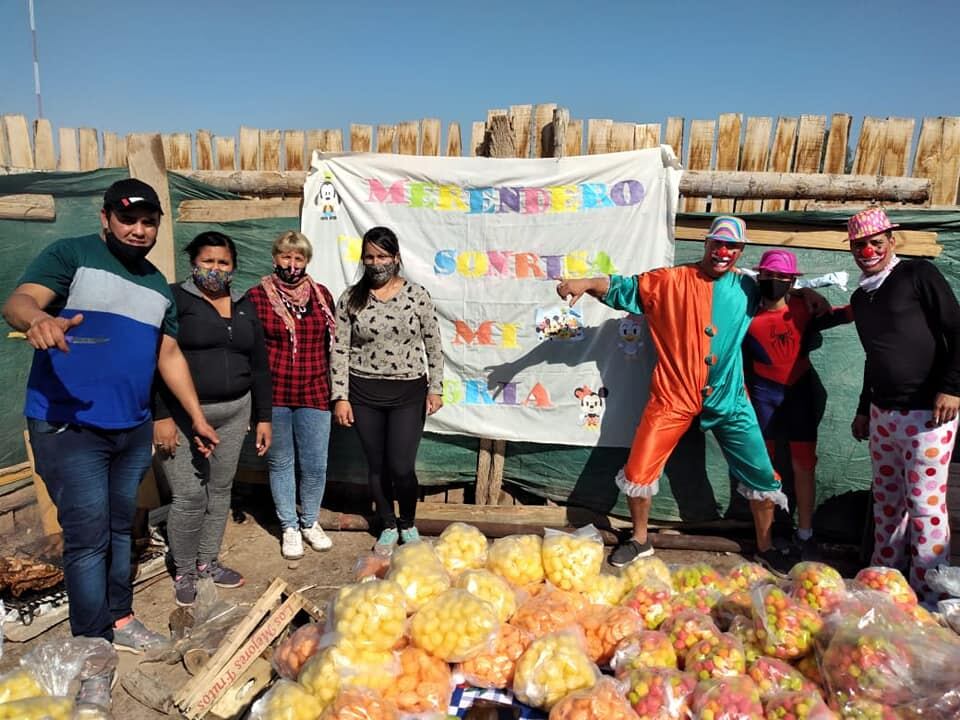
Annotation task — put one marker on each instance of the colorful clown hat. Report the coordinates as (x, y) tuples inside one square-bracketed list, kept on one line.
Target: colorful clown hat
[(865, 223), (779, 261), (727, 228)]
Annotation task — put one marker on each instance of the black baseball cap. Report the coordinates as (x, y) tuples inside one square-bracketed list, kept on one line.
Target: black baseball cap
[(130, 192)]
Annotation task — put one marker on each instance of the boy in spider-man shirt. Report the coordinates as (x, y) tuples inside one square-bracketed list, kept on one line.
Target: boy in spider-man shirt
[(784, 388)]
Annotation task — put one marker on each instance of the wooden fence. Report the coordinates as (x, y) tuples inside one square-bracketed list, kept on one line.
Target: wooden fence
[(805, 144)]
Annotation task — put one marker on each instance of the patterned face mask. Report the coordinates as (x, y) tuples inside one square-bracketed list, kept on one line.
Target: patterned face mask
[(380, 274), (215, 280), (290, 275)]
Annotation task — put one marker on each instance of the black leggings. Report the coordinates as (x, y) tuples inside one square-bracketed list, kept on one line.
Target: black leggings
[(390, 437)]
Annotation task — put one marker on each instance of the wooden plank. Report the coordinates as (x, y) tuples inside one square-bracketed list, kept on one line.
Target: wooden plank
[(896, 153), (561, 121), (315, 141), (621, 137), (500, 139), (810, 137), (430, 140), (574, 142), (145, 162), (165, 141), (333, 140), (674, 135), (835, 157), (293, 150), (89, 149), (226, 152), (27, 207), (946, 188), (45, 507), (112, 143), (454, 143), (495, 490), (755, 156), (478, 130), (386, 138), (728, 153), (646, 135), (205, 150), (484, 461), (408, 137), (496, 111), (69, 150), (181, 152), (910, 243), (18, 139), (542, 140), (781, 156), (215, 211), (270, 149), (4, 147), (873, 140), (699, 157), (15, 473), (361, 138), (598, 136), (249, 148), (45, 157), (521, 116)]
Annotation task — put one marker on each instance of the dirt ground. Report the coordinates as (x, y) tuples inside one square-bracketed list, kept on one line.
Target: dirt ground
[(253, 548)]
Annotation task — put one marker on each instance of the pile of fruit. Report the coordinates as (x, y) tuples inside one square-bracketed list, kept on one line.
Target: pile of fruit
[(536, 617)]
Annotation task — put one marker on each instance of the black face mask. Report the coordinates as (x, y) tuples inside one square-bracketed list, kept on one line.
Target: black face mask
[(774, 290), (290, 275), (127, 254)]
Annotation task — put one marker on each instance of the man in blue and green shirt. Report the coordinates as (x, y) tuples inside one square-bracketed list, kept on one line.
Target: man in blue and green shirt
[(102, 321)]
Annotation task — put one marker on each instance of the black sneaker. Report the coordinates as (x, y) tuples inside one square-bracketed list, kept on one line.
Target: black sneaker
[(96, 691), (627, 552), (805, 549), (221, 575), (777, 562), (185, 589)]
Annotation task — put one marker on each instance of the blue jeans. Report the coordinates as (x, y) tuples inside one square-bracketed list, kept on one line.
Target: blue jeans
[(300, 438), (93, 476)]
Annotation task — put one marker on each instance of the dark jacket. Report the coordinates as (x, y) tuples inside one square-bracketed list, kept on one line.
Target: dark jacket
[(227, 356)]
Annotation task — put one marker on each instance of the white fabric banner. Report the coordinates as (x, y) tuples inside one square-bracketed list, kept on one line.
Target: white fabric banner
[(489, 239)]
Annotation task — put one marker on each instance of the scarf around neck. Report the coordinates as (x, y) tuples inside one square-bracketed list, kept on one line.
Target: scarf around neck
[(871, 283), (300, 294)]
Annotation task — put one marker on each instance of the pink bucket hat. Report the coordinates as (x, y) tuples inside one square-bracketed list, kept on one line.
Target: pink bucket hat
[(779, 261), (865, 223)]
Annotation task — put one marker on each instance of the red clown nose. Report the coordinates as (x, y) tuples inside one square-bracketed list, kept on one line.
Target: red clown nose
[(868, 252), (723, 251)]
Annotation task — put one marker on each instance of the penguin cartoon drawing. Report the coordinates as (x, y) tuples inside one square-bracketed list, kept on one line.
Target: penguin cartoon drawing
[(326, 197)]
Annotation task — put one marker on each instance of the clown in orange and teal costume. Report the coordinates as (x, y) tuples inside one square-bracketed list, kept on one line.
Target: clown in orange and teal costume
[(698, 315)]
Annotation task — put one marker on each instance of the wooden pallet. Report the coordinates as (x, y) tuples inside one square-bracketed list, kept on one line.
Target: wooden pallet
[(237, 672)]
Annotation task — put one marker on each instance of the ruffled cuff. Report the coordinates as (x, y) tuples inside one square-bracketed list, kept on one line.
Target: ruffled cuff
[(777, 496), (631, 489)]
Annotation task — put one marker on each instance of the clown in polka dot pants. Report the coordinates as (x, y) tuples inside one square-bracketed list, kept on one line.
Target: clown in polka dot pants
[(911, 459)]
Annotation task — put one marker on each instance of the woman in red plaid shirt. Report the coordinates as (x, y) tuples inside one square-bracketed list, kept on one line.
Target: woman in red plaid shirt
[(298, 324)]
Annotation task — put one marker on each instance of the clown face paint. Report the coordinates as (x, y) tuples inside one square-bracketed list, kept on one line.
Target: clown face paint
[(871, 254), (719, 257)]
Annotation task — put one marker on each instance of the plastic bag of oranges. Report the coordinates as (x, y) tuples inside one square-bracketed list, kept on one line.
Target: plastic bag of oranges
[(423, 685), (291, 654), (604, 627), (518, 559), (359, 704), (494, 667), (604, 701), (572, 561), (548, 611)]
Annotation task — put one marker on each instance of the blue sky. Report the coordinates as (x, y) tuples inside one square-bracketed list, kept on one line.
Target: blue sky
[(172, 65)]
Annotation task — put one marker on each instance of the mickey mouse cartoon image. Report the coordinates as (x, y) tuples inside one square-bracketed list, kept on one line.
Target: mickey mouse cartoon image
[(327, 195), (591, 405)]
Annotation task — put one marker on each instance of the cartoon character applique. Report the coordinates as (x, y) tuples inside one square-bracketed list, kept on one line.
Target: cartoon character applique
[(631, 336), (591, 406), (326, 197), (559, 323)]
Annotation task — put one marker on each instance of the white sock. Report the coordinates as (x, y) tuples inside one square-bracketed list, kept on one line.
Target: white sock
[(804, 533)]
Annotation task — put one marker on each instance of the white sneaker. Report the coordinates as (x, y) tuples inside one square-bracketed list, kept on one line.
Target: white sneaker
[(316, 538), (292, 546)]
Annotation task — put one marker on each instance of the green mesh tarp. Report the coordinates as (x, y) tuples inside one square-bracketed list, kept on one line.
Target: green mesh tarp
[(696, 486)]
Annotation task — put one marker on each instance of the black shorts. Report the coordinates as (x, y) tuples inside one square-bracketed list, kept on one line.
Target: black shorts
[(789, 412)]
